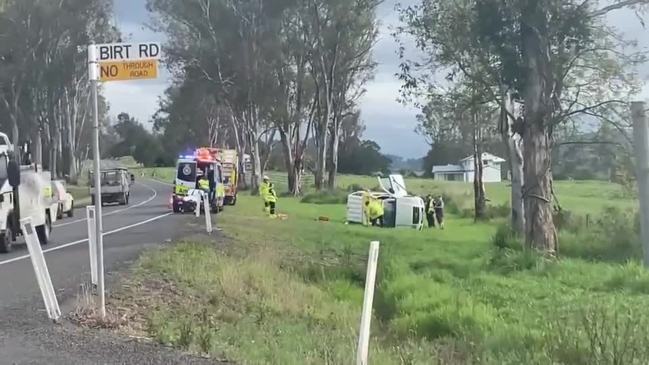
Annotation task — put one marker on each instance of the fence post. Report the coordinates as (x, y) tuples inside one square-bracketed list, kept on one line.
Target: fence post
[(40, 269), (208, 215), (641, 146), (366, 315), (92, 243)]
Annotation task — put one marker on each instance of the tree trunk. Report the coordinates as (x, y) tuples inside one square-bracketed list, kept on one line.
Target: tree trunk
[(38, 148), (513, 144), (289, 163), (333, 161), (321, 160), (515, 151), (479, 199), (540, 232), (72, 166)]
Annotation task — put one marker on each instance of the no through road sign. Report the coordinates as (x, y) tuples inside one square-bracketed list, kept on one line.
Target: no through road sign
[(123, 61), (128, 70)]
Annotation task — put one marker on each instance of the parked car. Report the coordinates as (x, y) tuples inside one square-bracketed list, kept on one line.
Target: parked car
[(64, 199)]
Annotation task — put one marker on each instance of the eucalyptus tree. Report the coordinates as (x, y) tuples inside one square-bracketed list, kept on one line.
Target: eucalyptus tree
[(556, 58)]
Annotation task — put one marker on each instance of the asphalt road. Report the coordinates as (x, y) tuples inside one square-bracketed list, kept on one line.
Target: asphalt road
[(26, 334)]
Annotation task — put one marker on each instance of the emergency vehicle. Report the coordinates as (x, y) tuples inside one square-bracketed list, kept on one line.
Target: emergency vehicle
[(400, 208), (25, 191), (189, 170), (230, 163)]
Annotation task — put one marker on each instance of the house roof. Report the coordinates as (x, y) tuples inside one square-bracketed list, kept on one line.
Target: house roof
[(448, 169), (485, 156)]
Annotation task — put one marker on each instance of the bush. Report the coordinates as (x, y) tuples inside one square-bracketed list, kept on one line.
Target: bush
[(613, 236), (337, 196), (506, 238), (612, 333), (565, 220), (498, 211)]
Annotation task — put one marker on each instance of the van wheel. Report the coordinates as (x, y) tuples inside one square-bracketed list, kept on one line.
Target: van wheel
[(43, 232), (70, 212), (128, 198), (122, 200), (59, 212), (6, 240)]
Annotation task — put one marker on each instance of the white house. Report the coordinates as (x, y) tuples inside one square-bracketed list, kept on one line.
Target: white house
[(464, 170)]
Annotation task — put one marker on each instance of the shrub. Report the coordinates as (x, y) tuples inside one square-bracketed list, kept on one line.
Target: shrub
[(602, 334), (498, 211), (613, 236), (506, 238), (336, 196), (565, 220)]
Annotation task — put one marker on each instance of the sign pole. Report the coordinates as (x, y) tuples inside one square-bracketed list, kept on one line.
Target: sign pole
[(99, 240), (114, 62)]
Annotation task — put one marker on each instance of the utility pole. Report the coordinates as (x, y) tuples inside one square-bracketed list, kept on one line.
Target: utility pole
[(641, 147), (93, 69)]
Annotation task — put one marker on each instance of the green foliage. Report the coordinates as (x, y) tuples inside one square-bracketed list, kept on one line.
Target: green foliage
[(362, 158), (466, 294), (506, 238), (136, 141), (337, 196), (611, 236)]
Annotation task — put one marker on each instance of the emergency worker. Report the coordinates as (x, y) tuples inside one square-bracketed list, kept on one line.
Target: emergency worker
[(268, 194), (374, 212), (204, 184)]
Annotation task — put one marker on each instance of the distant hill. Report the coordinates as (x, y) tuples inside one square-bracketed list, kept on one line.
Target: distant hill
[(411, 164)]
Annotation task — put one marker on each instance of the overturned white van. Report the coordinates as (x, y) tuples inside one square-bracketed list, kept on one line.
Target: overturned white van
[(401, 209)]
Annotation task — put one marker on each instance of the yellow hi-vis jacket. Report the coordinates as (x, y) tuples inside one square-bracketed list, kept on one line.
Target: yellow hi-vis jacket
[(267, 192), (204, 184), (373, 210)]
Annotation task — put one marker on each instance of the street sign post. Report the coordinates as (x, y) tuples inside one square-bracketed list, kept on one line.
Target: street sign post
[(106, 63)]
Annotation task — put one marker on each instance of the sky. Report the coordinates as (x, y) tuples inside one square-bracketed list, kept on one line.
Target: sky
[(388, 122)]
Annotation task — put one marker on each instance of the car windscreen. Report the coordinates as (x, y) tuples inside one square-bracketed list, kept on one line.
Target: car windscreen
[(186, 171), (110, 178)]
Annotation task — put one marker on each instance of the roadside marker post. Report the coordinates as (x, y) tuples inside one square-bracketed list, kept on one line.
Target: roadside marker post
[(366, 315), (208, 215), (92, 243), (114, 62), (40, 269), (198, 207)]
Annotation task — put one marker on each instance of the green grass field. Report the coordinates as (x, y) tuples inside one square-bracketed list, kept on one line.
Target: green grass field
[(580, 197), (290, 291)]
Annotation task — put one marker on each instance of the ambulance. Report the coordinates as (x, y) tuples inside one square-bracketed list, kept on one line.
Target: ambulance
[(189, 170)]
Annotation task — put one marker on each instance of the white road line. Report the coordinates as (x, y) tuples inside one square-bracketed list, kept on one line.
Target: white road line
[(86, 240), (155, 194)]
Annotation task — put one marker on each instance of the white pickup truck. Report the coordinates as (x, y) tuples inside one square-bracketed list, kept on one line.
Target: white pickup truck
[(400, 209), (25, 191)]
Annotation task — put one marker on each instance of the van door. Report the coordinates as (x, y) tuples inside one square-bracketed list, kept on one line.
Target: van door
[(394, 185)]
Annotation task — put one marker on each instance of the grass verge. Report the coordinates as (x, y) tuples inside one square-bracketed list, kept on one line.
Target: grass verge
[(290, 292)]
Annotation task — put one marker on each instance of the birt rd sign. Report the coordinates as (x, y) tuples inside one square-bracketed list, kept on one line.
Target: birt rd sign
[(123, 61)]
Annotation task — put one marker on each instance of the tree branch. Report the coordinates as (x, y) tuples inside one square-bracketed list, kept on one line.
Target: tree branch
[(616, 6)]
